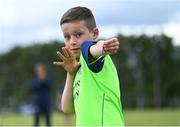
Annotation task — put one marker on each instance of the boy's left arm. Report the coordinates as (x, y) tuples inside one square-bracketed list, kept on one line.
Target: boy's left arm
[(103, 47)]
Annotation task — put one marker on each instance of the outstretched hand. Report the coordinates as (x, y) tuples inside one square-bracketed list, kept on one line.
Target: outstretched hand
[(111, 46), (69, 62)]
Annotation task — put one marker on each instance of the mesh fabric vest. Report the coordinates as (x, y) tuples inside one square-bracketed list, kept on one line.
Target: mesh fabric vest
[(97, 96)]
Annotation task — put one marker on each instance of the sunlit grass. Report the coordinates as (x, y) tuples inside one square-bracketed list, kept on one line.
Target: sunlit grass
[(11, 119), (148, 117), (163, 117)]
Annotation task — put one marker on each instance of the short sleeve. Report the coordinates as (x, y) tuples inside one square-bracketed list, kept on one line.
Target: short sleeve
[(85, 49)]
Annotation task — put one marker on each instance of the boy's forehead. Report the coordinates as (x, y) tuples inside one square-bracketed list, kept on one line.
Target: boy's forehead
[(74, 26)]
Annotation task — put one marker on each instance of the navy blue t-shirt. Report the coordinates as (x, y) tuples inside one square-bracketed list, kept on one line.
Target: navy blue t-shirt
[(41, 90)]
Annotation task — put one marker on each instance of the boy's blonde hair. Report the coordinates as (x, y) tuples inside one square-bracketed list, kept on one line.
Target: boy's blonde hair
[(79, 14)]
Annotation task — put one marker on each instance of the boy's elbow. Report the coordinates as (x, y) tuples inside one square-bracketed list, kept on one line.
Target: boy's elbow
[(66, 109)]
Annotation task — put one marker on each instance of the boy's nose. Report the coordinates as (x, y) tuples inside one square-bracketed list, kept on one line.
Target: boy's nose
[(72, 42)]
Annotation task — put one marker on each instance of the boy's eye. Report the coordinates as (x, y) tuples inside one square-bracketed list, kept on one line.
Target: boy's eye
[(78, 35), (67, 37)]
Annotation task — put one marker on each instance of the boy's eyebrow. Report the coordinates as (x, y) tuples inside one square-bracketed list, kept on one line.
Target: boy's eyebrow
[(65, 33), (76, 30)]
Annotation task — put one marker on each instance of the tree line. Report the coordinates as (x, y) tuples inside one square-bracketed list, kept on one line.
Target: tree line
[(148, 69)]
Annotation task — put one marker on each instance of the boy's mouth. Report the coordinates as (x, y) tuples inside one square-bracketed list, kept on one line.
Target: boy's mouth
[(75, 49)]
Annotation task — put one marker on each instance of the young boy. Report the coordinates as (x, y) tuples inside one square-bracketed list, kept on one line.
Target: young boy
[(92, 85)]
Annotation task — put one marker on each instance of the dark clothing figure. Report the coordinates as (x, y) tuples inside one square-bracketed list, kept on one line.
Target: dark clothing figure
[(42, 101)]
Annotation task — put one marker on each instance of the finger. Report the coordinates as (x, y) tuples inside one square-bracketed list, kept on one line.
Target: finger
[(111, 49), (111, 45), (79, 63), (65, 51), (61, 56), (58, 63), (112, 40), (69, 52)]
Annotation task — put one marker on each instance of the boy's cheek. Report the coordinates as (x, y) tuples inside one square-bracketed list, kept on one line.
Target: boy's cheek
[(67, 45)]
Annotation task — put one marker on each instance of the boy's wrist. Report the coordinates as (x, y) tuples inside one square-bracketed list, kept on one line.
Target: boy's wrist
[(101, 47), (97, 50), (71, 73)]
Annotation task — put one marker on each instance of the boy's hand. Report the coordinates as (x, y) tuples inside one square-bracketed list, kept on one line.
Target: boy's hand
[(69, 62), (111, 46)]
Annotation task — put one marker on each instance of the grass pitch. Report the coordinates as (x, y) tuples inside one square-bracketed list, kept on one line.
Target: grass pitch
[(148, 117)]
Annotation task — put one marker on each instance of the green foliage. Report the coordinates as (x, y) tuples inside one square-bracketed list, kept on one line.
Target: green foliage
[(148, 69), (17, 70)]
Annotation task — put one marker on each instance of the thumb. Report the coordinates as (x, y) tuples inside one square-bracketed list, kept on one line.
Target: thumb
[(78, 63)]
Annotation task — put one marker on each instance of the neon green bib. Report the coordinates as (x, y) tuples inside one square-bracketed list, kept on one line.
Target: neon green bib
[(97, 96)]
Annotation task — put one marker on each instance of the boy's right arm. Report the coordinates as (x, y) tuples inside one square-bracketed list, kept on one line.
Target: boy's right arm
[(67, 105), (109, 46), (70, 64)]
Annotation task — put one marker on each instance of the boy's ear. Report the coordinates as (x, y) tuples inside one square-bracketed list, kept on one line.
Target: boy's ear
[(95, 33)]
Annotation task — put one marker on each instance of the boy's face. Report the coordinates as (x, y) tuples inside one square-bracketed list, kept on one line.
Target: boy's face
[(75, 33)]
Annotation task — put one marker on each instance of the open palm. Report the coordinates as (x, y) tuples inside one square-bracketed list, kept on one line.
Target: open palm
[(69, 62)]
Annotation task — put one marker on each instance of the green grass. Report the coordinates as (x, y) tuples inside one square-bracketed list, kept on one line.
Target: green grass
[(166, 117), (11, 119), (163, 117)]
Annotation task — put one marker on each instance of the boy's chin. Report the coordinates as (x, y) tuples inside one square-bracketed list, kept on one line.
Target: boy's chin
[(77, 55)]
